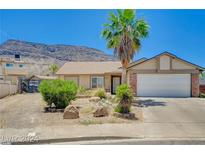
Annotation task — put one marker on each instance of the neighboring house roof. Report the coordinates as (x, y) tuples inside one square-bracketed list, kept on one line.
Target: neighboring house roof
[(89, 67), (43, 77), (170, 54)]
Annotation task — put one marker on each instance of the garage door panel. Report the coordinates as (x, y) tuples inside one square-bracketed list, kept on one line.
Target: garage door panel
[(164, 85)]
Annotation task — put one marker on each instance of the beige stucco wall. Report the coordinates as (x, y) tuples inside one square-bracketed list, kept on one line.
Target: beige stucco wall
[(13, 79), (74, 78), (164, 62), (128, 77), (1, 69), (107, 80), (176, 64), (84, 81), (15, 70), (148, 65), (7, 88)]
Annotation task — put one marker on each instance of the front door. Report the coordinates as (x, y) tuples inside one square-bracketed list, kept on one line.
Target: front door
[(115, 82)]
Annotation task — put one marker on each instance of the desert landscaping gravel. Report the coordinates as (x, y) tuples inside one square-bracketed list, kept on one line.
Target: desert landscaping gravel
[(27, 111)]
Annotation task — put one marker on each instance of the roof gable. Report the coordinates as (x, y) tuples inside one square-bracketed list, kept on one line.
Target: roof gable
[(174, 57)]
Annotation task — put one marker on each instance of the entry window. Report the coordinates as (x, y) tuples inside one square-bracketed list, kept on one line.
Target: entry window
[(21, 65), (9, 65), (97, 82)]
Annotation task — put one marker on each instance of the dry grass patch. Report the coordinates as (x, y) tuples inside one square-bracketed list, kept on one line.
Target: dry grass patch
[(87, 109), (90, 121)]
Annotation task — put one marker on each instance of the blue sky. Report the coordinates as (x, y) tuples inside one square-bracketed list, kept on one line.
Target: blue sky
[(181, 32)]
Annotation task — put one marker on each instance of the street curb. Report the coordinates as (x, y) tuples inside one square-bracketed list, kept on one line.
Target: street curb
[(118, 140), (50, 141), (153, 141)]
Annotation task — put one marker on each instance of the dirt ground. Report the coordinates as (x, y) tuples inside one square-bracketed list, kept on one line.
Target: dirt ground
[(27, 111)]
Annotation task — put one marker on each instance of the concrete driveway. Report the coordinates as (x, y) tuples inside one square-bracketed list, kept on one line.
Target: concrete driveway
[(173, 117)]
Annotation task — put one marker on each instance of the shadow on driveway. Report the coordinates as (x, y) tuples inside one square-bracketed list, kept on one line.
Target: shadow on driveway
[(147, 103)]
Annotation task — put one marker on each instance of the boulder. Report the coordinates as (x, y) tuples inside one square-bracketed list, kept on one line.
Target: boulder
[(94, 99), (101, 112), (71, 112)]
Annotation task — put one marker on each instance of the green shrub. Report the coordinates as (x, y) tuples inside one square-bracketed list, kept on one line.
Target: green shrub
[(58, 92), (101, 93), (124, 96), (81, 90), (202, 95), (120, 109), (124, 92)]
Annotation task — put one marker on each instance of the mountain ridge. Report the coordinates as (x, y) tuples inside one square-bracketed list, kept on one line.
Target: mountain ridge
[(41, 53), (57, 51)]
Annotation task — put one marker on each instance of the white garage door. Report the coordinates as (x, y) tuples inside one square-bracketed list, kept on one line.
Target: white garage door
[(164, 85)]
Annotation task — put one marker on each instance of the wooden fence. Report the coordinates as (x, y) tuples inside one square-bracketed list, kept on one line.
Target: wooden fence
[(7, 88)]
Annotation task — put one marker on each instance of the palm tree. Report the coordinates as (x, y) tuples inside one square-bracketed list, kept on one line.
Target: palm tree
[(123, 33), (53, 69)]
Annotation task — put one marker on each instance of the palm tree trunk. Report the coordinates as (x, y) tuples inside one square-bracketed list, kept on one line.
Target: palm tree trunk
[(124, 75)]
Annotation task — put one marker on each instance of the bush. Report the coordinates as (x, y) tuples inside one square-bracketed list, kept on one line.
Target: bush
[(58, 92), (124, 96), (202, 95), (120, 109), (124, 92), (81, 90), (101, 93)]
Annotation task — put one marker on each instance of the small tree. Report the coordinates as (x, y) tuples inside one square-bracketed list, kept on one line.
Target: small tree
[(124, 95), (53, 69)]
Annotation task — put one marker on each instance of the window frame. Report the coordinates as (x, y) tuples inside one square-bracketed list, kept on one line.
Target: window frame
[(9, 65), (21, 65), (97, 81)]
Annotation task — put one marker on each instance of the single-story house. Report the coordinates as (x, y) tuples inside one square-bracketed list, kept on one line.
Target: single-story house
[(93, 74), (164, 75)]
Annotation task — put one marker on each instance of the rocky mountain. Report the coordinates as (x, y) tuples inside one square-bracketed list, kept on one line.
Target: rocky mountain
[(43, 54), (57, 52)]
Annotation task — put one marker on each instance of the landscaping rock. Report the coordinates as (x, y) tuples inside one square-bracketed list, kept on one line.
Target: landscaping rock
[(71, 112), (94, 99), (101, 112)]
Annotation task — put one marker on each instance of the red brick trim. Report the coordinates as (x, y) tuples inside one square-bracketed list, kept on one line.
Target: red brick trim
[(202, 89), (195, 85), (133, 82)]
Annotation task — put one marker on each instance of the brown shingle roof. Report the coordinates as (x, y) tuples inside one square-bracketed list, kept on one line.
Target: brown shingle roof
[(89, 67)]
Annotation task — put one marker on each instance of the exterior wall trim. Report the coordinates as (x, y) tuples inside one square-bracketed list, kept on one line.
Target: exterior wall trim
[(172, 56), (102, 75), (185, 71), (171, 63)]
